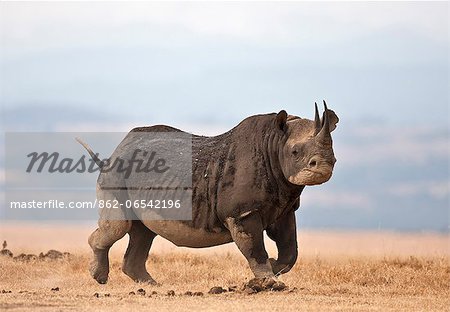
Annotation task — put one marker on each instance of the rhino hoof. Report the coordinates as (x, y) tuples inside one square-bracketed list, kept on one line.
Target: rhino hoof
[(149, 281), (101, 276), (101, 280), (142, 277)]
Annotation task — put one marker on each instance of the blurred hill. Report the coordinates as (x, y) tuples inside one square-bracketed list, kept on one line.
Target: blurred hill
[(387, 176)]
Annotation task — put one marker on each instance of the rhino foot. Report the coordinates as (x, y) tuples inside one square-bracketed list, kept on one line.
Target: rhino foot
[(139, 277), (279, 268), (99, 273)]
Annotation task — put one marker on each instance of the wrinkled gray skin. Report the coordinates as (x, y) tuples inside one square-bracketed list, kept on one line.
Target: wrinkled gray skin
[(245, 182)]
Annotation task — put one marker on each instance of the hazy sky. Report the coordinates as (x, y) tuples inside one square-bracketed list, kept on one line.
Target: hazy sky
[(203, 67), (386, 61)]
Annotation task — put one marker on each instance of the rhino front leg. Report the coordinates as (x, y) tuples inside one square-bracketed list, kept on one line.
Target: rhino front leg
[(284, 233), (247, 233), (141, 239)]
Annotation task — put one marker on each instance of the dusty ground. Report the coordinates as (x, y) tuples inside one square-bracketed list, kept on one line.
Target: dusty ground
[(336, 271)]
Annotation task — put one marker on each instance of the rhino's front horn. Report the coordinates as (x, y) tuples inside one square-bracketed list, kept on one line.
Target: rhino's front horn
[(317, 123)]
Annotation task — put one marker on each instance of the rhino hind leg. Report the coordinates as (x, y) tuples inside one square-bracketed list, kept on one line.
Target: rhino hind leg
[(101, 240), (141, 239), (112, 226)]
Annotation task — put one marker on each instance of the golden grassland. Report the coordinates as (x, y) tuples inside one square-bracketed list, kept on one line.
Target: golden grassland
[(370, 271)]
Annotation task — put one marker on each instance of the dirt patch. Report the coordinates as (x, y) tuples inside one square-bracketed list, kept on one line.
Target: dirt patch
[(319, 282)]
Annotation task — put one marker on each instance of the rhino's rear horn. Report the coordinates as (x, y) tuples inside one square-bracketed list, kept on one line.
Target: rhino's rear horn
[(325, 113), (325, 133), (325, 105)]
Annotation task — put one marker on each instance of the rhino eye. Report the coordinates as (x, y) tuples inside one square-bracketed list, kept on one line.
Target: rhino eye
[(295, 152)]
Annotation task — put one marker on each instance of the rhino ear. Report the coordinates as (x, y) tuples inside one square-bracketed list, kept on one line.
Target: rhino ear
[(333, 119), (280, 120)]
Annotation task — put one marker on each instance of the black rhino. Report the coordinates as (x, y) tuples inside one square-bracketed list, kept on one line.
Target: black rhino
[(244, 182)]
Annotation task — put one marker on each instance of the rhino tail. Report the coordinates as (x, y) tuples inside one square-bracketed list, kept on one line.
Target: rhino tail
[(94, 156)]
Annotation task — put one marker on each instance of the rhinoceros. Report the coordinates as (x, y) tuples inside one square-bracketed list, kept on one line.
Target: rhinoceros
[(244, 182)]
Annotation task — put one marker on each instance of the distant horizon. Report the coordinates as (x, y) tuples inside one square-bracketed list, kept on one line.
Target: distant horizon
[(386, 61)]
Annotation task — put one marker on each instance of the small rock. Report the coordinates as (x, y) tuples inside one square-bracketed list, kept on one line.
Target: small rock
[(249, 291), (6, 291), (278, 286), (171, 293), (198, 293), (96, 295), (216, 290), (55, 289), (232, 288), (154, 292), (54, 254), (262, 284), (188, 293), (132, 293), (107, 295), (25, 257), (256, 284), (6, 253), (141, 291), (267, 283)]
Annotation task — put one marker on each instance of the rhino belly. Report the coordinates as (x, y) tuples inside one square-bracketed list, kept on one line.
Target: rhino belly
[(183, 235)]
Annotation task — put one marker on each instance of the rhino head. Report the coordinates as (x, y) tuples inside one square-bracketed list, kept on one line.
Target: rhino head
[(306, 154)]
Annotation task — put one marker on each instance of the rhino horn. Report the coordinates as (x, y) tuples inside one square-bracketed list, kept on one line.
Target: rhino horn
[(325, 135), (317, 123)]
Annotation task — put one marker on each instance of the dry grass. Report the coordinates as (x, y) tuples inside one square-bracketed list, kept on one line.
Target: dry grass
[(385, 273)]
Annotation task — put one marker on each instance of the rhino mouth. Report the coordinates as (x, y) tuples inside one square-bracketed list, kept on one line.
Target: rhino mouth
[(312, 176)]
